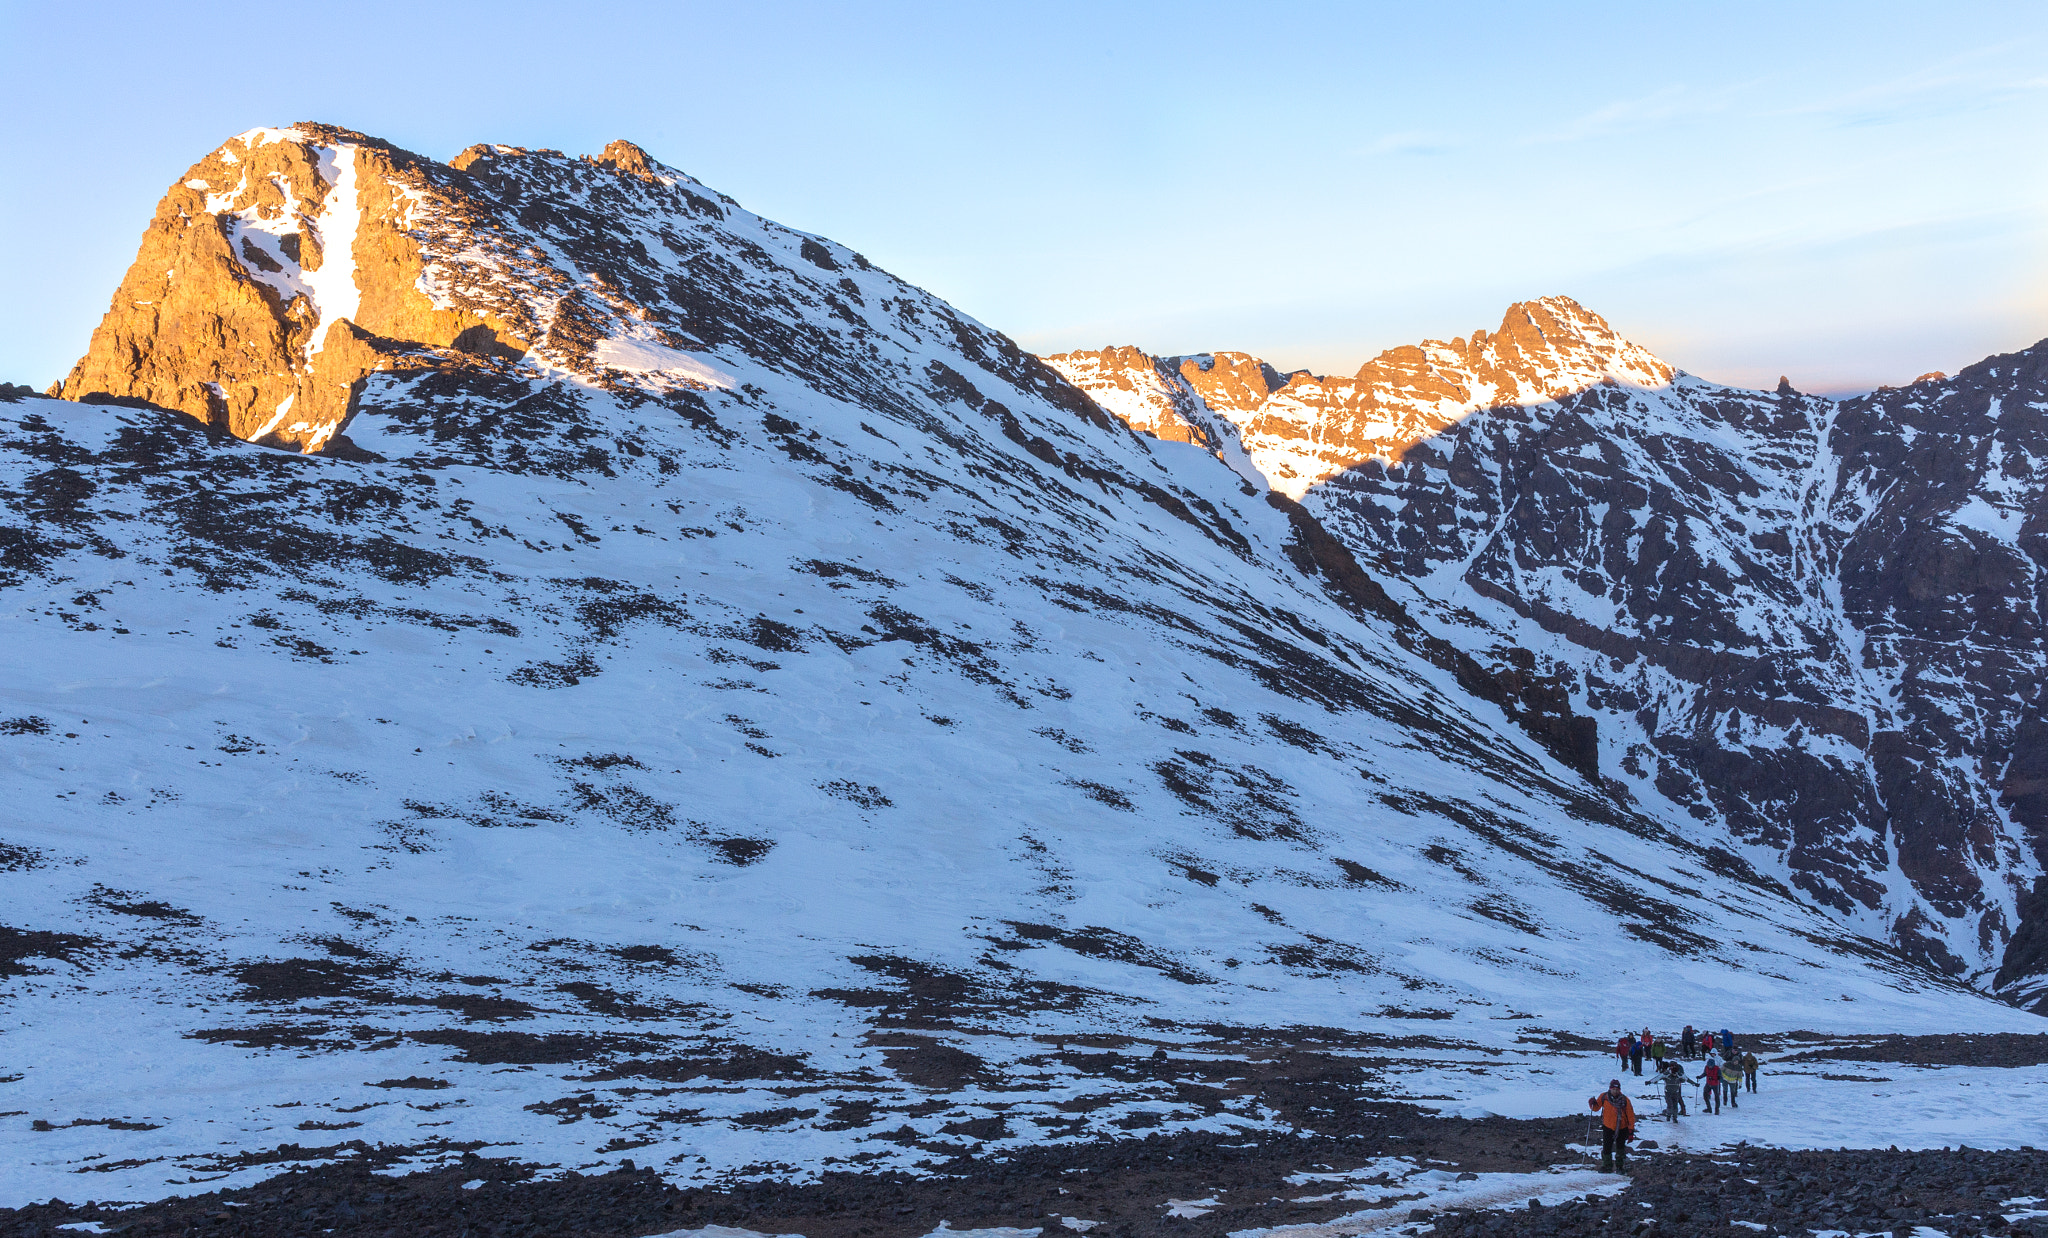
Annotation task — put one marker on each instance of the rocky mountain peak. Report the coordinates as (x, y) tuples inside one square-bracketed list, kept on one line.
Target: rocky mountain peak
[(278, 271), (292, 262), (1233, 381), (627, 157), (1300, 427), (1544, 349)]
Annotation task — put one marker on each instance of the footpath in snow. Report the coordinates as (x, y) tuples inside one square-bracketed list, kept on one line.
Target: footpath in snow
[(1827, 1104)]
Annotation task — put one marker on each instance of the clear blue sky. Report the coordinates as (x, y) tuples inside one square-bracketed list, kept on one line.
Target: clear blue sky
[(1846, 193)]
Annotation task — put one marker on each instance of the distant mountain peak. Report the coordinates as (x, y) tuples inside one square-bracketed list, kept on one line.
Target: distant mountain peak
[(626, 157), (1543, 350), (1300, 427)]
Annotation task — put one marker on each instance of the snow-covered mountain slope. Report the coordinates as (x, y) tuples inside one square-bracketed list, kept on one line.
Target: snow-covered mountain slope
[(740, 733), (1811, 627)]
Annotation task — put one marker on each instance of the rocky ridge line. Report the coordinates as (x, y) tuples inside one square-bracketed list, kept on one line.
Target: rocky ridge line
[(1299, 427)]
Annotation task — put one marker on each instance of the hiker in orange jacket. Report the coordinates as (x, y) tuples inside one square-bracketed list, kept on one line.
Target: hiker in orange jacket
[(1617, 1126)]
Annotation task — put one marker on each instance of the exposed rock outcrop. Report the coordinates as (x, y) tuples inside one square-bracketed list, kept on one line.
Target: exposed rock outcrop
[(290, 263)]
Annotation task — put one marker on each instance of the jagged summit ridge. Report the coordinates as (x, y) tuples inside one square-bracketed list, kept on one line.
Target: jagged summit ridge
[(1299, 427)]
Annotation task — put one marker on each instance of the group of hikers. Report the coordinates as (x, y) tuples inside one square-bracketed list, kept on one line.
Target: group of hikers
[(1725, 1070)]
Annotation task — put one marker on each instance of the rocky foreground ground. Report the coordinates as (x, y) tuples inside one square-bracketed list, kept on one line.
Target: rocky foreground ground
[(1127, 1189), (1364, 1157)]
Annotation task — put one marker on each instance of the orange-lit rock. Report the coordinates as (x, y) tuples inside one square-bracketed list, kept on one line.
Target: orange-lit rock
[(1299, 428), (289, 263)]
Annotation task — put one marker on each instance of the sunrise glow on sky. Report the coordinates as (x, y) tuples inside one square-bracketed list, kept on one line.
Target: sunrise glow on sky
[(1848, 194)]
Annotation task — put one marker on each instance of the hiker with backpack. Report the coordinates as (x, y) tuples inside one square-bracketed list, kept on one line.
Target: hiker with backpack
[(1635, 1056), (1621, 1047), (1686, 1042), (1749, 1070), (1710, 1084), (1617, 1126), (1674, 1089)]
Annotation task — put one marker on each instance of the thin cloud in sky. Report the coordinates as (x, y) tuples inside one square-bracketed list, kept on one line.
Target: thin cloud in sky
[(1414, 142), (1661, 107), (1966, 81)]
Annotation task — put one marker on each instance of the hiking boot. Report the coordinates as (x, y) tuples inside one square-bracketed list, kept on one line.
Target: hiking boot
[(1606, 1167)]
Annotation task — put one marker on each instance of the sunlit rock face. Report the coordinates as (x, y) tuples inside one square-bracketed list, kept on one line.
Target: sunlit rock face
[(1812, 627), (280, 270), (1300, 428), (290, 263)]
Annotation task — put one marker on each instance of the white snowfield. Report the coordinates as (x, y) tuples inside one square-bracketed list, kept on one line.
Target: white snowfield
[(712, 776)]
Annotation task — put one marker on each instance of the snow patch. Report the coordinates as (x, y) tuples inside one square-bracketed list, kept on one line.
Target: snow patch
[(643, 356), (1980, 515), (264, 136), (275, 417), (333, 286)]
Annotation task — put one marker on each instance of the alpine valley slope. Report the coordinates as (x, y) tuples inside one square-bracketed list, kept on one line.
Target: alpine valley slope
[(1810, 627), (714, 703)]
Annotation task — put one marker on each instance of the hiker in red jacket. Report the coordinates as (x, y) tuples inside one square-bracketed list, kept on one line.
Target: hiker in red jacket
[(1710, 1084), (1617, 1126), (1621, 1050)]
